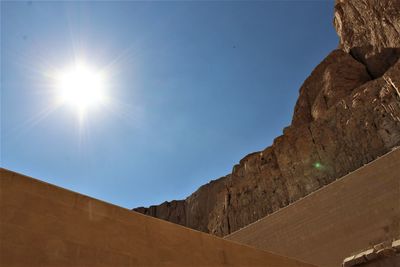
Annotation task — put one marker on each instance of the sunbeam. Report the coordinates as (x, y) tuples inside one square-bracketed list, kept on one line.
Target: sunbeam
[(81, 87)]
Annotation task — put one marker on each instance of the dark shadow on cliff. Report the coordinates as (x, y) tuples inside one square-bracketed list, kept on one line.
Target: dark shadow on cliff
[(377, 62)]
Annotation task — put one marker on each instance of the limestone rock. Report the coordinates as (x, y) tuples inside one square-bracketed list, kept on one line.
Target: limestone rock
[(173, 211), (335, 77), (347, 114), (370, 31)]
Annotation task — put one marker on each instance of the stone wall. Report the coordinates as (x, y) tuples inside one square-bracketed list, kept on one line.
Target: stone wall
[(386, 254), (42, 225), (353, 213)]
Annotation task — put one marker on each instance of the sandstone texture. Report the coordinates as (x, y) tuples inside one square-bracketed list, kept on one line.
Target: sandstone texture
[(369, 30), (347, 114), (341, 219), (42, 225)]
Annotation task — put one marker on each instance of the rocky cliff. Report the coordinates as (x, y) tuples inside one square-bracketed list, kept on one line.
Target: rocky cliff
[(347, 114)]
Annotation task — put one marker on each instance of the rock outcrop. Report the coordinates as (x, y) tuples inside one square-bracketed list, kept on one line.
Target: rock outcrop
[(369, 30), (347, 114)]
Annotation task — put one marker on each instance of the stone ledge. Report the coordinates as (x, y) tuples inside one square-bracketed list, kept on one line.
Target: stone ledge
[(385, 249)]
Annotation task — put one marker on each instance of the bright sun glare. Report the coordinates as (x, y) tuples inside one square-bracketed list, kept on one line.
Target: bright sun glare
[(81, 86)]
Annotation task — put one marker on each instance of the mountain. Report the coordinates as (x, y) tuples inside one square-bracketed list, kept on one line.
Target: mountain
[(347, 114)]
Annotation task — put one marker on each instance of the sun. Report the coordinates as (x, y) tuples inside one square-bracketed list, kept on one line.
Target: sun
[(81, 87)]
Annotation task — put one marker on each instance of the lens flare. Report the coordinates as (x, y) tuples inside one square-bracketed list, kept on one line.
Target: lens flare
[(81, 87), (318, 166)]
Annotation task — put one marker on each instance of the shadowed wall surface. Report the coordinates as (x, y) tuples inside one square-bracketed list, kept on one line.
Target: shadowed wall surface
[(44, 225), (357, 211), (385, 262)]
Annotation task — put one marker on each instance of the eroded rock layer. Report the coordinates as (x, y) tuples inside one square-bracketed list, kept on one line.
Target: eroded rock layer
[(347, 114), (369, 30)]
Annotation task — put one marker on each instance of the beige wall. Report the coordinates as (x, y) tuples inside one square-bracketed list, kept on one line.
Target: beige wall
[(349, 215), (43, 225)]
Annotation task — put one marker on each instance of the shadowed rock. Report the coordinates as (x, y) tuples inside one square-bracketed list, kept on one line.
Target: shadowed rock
[(370, 31)]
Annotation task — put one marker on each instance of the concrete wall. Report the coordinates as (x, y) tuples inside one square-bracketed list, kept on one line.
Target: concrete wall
[(355, 212), (43, 225)]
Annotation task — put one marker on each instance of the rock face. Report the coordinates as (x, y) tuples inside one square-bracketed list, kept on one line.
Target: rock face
[(347, 114), (369, 30)]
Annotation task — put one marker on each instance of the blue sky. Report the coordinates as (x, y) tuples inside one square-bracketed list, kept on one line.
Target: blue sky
[(195, 86)]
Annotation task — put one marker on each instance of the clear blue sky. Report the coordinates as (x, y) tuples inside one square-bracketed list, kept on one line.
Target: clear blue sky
[(195, 86)]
